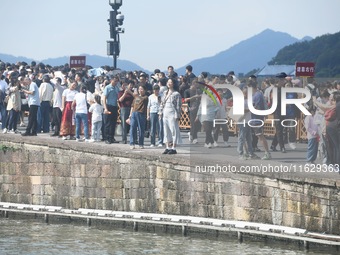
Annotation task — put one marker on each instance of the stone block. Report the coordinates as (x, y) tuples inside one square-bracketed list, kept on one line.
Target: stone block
[(37, 190), (101, 193), (114, 193), (36, 180), (244, 201), (49, 190), (23, 189), (131, 183), (293, 206), (64, 191), (89, 203), (91, 182), (90, 192), (93, 171), (161, 173), (77, 191), (48, 180), (78, 182), (36, 168)]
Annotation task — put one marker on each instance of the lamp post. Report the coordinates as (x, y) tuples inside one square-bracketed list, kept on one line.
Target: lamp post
[(115, 21)]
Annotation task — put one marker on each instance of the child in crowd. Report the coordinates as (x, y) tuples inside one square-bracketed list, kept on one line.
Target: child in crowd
[(312, 136), (97, 110)]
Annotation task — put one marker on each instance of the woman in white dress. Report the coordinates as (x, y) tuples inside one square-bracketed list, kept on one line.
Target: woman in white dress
[(170, 111)]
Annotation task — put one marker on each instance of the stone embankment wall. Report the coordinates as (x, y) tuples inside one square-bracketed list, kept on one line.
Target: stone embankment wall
[(78, 176)]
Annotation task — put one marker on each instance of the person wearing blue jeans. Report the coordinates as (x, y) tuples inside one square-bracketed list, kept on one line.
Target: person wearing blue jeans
[(312, 136), (82, 118), (152, 115), (125, 98), (244, 137), (3, 112), (138, 117), (80, 105)]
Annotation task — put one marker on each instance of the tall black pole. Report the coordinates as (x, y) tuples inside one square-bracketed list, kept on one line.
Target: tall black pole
[(114, 35)]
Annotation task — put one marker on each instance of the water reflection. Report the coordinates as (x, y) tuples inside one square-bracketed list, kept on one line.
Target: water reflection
[(35, 237)]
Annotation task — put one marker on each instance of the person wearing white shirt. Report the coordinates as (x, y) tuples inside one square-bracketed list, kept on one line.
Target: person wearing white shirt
[(80, 105), (33, 103), (67, 127), (97, 119), (57, 106), (46, 95)]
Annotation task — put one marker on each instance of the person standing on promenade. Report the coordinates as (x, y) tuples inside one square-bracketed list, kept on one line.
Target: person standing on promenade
[(206, 117), (138, 117), (13, 105), (143, 81), (278, 138), (57, 106), (170, 110), (244, 145), (189, 74), (256, 120), (110, 104), (192, 97), (221, 114), (152, 116), (67, 127), (312, 136), (46, 95), (125, 98), (97, 119), (79, 105), (34, 103), (3, 104)]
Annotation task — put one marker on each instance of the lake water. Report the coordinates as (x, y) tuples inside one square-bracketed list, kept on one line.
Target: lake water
[(35, 237)]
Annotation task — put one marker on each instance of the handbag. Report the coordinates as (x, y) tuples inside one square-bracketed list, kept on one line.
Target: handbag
[(330, 115)]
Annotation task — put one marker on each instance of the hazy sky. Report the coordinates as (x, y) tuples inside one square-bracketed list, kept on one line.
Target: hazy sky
[(158, 33)]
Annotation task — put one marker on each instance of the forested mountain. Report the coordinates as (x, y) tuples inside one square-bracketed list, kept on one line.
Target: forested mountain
[(323, 50), (246, 55)]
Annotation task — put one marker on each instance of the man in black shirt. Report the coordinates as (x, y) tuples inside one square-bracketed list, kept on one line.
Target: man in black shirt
[(192, 97)]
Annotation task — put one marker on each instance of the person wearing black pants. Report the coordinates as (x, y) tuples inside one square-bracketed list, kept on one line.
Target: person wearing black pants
[(34, 103), (32, 121), (110, 121), (110, 104), (278, 138)]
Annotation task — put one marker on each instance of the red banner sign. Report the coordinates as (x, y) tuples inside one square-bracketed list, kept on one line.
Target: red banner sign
[(77, 61), (304, 69)]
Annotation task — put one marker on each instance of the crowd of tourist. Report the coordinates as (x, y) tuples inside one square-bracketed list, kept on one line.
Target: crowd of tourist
[(76, 105)]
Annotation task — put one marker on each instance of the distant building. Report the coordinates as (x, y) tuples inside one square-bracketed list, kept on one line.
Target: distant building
[(272, 70)]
